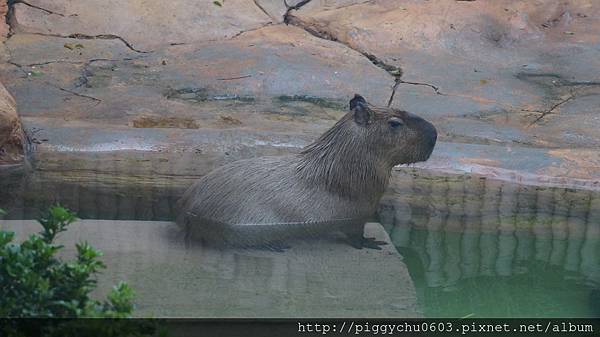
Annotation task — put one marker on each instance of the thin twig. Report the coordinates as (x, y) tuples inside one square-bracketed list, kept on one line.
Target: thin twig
[(436, 89), (233, 78), (396, 83)]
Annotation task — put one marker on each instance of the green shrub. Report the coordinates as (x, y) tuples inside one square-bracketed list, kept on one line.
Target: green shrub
[(34, 282), (42, 294)]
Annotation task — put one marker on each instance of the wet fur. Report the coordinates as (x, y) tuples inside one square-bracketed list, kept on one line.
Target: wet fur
[(333, 185)]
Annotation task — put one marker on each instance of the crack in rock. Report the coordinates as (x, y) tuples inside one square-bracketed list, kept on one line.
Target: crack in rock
[(293, 8), (555, 84), (9, 17), (262, 9), (11, 23), (79, 36), (243, 32), (84, 63), (553, 107), (47, 11), (28, 74), (97, 100), (393, 70)]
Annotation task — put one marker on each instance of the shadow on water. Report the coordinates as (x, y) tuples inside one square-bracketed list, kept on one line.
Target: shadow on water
[(473, 246), (481, 247)]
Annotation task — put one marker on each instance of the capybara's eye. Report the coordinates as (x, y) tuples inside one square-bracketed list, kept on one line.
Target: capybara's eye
[(395, 122)]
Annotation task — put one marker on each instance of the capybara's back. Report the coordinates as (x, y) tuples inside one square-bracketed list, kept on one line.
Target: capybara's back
[(332, 185)]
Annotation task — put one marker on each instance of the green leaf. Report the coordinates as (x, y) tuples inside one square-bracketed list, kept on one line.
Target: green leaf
[(6, 237), (42, 285), (56, 221), (217, 3), (120, 299)]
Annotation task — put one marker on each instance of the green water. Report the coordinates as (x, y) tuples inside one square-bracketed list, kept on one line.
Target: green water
[(482, 248), (534, 289)]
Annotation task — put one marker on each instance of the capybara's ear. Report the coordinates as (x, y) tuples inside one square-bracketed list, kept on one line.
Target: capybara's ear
[(358, 99), (362, 114)]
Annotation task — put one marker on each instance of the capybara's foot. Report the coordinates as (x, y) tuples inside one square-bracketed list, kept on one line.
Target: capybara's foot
[(362, 242)]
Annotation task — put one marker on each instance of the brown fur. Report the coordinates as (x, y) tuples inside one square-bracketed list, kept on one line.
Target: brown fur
[(334, 184)]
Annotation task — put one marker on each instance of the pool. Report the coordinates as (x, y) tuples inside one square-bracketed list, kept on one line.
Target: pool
[(474, 247), (477, 247)]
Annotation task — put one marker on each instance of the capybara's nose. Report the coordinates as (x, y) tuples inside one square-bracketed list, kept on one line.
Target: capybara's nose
[(425, 128), (427, 135), (431, 133)]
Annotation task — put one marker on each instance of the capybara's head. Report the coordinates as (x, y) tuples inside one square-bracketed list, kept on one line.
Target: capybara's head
[(368, 138), (399, 136), (381, 136)]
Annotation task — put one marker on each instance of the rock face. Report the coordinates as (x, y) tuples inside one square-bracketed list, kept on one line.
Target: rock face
[(498, 66), (3, 26), (268, 91), (142, 24), (516, 79), (11, 134)]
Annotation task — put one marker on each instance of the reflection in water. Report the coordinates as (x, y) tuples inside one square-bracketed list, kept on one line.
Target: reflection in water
[(25, 196), (489, 248)]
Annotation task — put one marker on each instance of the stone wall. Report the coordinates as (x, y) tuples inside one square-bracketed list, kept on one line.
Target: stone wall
[(11, 133), (508, 78), (3, 26)]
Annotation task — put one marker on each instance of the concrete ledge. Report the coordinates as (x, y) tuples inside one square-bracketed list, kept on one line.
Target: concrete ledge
[(175, 157), (562, 168), (175, 279)]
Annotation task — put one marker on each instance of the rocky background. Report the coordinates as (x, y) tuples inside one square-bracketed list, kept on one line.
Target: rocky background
[(158, 89), (11, 133)]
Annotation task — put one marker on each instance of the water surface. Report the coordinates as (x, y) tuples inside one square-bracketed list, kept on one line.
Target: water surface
[(484, 248), (473, 246)]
